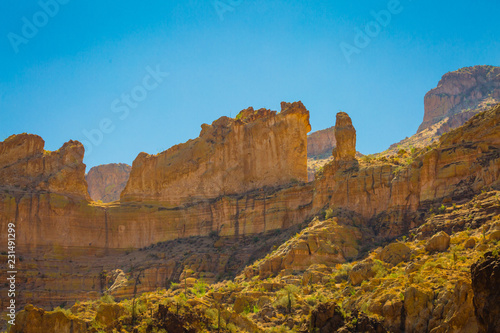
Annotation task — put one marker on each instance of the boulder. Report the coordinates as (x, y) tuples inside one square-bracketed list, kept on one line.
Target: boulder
[(395, 253), (438, 243), (361, 271)]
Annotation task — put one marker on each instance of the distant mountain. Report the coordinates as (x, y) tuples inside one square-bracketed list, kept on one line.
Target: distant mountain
[(106, 182), (458, 97)]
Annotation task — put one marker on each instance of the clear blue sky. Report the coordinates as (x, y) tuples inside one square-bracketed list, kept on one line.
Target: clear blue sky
[(72, 73)]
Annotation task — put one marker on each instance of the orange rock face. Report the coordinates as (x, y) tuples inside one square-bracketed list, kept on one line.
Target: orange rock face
[(470, 88), (257, 149), (26, 166), (106, 182)]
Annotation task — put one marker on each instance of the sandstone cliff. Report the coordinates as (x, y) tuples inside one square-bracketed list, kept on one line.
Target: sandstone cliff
[(26, 166), (106, 182), (259, 148), (60, 231), (461, 94)]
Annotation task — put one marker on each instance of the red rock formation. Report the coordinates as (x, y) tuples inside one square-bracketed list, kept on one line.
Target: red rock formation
[(320, 142), (45, 193), (257, 149), (467, 89), (106, 182)]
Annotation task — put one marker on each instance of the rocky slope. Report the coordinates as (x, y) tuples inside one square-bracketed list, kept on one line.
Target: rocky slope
[(439, 277), (106, 182), (259, 148)]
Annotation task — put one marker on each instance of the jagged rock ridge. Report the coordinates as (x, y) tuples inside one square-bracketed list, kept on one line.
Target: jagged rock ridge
[(259, 148)]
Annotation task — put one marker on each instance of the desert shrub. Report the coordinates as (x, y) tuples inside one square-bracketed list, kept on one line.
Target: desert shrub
[(107, 298), (379, 269), (67, 312), (286, 297), (328, 213), (200, 288)]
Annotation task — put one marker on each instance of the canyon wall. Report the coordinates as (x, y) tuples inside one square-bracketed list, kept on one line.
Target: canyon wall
[(259, 148), (390, 196), (66, 240), (256, 190), (106, 182), (61, 234)]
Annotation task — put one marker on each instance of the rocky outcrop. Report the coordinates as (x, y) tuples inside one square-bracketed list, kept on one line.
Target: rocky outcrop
[(106, 182), (465, 160), (485, 281), (321, 142), (461, 94), (259, 148), (323, 242), (26, 166), (345, 135)]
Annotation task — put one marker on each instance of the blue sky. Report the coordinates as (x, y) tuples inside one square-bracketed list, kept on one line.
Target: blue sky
[(70, 75)]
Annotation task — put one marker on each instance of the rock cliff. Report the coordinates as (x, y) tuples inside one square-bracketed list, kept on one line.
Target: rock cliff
[(259, 148), (461, 94), (45, 195), (26, 166), (106, 182)]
